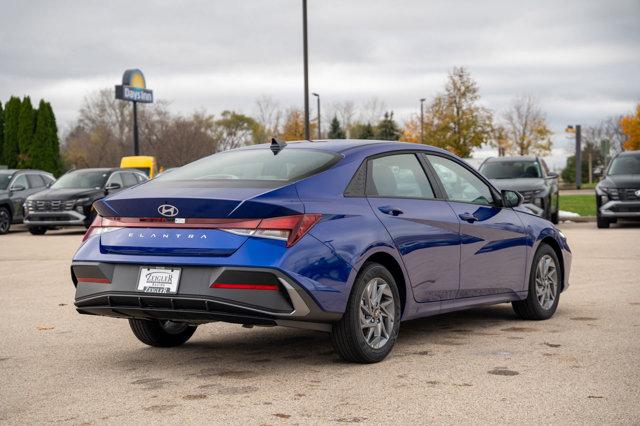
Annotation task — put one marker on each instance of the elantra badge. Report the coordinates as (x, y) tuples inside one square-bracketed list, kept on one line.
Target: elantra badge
[(168, 210)]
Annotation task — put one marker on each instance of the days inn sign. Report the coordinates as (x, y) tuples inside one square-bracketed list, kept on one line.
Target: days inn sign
[(134, 88)]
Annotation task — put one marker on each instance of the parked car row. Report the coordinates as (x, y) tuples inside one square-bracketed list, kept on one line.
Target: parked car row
[(35, 198)]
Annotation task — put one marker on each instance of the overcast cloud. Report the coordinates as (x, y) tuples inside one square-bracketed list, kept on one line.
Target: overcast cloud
[(580, 58)]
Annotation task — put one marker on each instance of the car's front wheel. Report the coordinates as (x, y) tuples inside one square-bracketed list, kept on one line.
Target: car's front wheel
[(369, 328), (5, 220), (545, 281), (161, 333), (602, 222), (38, 230)]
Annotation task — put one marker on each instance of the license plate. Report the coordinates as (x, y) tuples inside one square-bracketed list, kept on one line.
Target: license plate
[(159, 280)]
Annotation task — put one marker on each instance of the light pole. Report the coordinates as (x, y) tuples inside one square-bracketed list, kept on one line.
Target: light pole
[(422, 120), (578, 132), (305, 49), (319, 127)]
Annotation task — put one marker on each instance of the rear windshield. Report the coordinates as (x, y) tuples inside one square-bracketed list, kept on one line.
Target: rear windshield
[(255, 165), (625, 165), (511, 169)]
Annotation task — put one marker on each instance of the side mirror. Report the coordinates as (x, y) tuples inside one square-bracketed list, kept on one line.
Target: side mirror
[(597, 172), (17, 188), (113, 186), (511, 198)]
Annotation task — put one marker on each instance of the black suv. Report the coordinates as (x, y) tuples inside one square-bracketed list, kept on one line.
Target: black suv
[(15, 187), (529, 176), (618, 193), (68, 202)]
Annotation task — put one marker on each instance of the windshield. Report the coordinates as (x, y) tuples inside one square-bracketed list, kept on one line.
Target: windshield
[(255, 164), (511, 169), (625, 165), (5, 178), (81, 180)]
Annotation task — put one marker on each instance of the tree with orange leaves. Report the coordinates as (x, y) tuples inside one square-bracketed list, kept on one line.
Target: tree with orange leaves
[(630, 125)]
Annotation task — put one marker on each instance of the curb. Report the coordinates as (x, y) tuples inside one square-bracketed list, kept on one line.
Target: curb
[(581, 219)]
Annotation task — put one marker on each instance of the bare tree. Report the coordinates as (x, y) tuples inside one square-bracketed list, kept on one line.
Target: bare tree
[(345, 112), (372, 110), (269, 114), (526, 127)]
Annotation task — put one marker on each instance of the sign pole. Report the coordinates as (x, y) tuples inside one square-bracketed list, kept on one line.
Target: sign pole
[(136, 145)]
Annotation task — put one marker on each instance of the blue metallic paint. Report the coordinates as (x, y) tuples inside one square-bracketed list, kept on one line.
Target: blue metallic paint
[(495, 253)]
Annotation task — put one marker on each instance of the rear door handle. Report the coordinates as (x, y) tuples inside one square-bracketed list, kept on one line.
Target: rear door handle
[(468, 217), (390, 210)]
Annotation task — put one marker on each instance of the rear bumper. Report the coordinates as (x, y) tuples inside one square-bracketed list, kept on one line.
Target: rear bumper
[(621, 209), (59, 218), (114, 293)]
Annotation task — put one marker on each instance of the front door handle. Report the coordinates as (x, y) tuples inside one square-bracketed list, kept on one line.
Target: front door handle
[(468, 217), (390, 210)]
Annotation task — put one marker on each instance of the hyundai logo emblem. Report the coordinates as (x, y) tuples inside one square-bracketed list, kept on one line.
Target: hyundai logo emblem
[(168, 210), (638, 193)]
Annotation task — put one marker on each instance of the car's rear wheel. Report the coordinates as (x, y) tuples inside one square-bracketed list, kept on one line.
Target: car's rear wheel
[(544, 286), (38, 230), (369, 328), (161, 333), (5, 220)]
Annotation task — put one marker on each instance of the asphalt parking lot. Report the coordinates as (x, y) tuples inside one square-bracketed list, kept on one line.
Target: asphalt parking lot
[(481, 366)]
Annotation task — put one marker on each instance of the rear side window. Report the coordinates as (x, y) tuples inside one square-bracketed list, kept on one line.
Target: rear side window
[(398, 176), (255, 165), (36, 181), (129, 179)]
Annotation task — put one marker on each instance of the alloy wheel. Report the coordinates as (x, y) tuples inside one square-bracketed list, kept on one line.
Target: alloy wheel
[(4, 221), (377, 313), (546, 282)]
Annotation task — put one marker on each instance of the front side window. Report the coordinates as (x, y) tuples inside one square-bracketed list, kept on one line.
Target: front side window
[(81, 179), (129, 179), (517, 169), (459, 183), (21, 181), (398, 176), (116, 178), (255, 165), (625, 165)]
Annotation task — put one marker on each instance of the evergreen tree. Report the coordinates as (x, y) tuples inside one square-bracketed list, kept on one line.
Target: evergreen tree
[(387, 129), (1, 134), (363, 131), (39, 153), (335, 130), (11, 149), (53, 142), (26, 126)]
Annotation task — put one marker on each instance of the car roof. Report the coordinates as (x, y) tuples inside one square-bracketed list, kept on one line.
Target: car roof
[(628, 153), (100, 169), (512, 158), (23, 170), (342, 145)]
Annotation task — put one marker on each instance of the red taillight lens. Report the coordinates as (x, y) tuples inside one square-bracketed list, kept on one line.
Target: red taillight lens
[(97, 223), (286, 228)]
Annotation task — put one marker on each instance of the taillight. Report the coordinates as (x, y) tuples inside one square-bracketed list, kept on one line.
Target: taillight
[(97, 228), (286, 228)]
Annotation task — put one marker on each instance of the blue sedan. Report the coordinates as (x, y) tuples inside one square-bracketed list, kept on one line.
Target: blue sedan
[(344, 236)]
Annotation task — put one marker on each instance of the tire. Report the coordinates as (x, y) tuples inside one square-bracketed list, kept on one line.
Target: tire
[(348, 337), (555, 218), (533, 308), (38, 230), (5, 220), (162, 334), (90, 218), (602, 222)]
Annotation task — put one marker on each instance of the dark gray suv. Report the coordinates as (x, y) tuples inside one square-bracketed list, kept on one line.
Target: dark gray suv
[(618, 193), (15, 187), (529, 176)]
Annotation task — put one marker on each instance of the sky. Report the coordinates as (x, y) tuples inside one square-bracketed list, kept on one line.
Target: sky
[(580, 59)]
